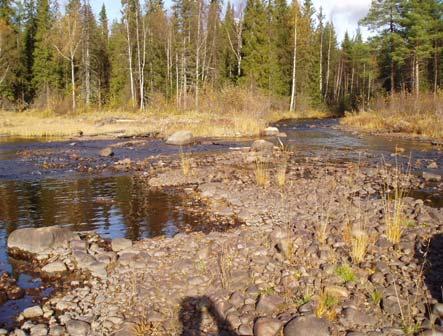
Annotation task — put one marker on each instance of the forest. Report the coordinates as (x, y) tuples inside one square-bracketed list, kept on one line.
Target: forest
[(66, 58)]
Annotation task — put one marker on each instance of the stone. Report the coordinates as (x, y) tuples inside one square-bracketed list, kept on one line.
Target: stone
[(106, 152), (119, 244), (237, 299), (98, 269), (54, 267), (269, 304), (33, 312), (432, 165), (271, 131), (267, 327), (429, 177), (41, 239), (244, 330), (438, 310), (39, 330), (180, 138), (337, 291), (432, 332), (307, 325), (83, 259), (57, 331), (358, 317), (78, 328), (262, 146)]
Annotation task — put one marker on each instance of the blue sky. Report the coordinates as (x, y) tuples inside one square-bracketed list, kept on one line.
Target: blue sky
[(344, 13)]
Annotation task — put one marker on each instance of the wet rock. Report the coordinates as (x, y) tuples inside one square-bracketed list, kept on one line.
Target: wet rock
[(267, 327), (33, 312), (262, 146), (78, 328), (307, 325), (106, 152), (429, 177), (271, 131), (54, 267), (432, 165), (180, 138), (120, 244), (41, 239)]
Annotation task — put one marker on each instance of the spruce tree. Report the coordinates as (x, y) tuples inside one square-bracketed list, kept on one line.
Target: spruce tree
[(44, 66)]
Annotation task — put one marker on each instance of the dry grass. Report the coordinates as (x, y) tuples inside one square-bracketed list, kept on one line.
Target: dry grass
[(145, 328), (359, 245), (261, 171), (394, 205), (185, 162), (232, 112), (326, 306), (402, 114)]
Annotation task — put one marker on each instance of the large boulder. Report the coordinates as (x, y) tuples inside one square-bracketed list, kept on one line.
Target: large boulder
[(42, 239), (180, 138)]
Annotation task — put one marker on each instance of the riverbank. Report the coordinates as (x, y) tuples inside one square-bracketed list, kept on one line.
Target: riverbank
[(312, 254), (402, 114), (111, 123)]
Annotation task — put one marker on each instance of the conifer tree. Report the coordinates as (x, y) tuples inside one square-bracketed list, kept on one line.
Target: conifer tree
[(44, 65)]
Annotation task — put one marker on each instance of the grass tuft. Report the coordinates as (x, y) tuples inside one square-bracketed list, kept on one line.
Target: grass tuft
[(326, 306), (359, 245), (261, 171), (346, 273)]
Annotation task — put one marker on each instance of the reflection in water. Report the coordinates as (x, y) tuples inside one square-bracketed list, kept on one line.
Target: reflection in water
[(113, 207)]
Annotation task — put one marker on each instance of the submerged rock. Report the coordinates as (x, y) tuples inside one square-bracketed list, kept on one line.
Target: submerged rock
[(42, 239), (180, 138)]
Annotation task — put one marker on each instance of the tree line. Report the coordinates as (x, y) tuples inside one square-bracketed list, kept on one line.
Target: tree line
[(51, 54)]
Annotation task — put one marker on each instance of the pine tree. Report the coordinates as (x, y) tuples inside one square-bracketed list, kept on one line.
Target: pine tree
[(385, 17)]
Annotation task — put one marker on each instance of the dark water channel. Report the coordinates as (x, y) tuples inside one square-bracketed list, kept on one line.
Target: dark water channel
[(116, 206)]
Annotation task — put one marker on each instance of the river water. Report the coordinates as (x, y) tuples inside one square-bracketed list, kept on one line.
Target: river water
[(116, 206)]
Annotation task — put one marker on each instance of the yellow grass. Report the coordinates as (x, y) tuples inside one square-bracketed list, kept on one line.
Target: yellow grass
[(402, 114), (231, 112), (261, 171), (359, 241)]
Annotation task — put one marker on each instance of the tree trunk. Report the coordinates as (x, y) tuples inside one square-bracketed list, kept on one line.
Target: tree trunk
[(197, 58), (73, 82), (294, 68), (417, 77), (131, 74), (328, 64), (320, 75)]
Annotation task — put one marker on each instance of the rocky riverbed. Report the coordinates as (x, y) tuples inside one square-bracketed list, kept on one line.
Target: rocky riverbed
[(306, 251)]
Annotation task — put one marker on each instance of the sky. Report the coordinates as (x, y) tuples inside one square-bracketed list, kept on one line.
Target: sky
[(344, 13)]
